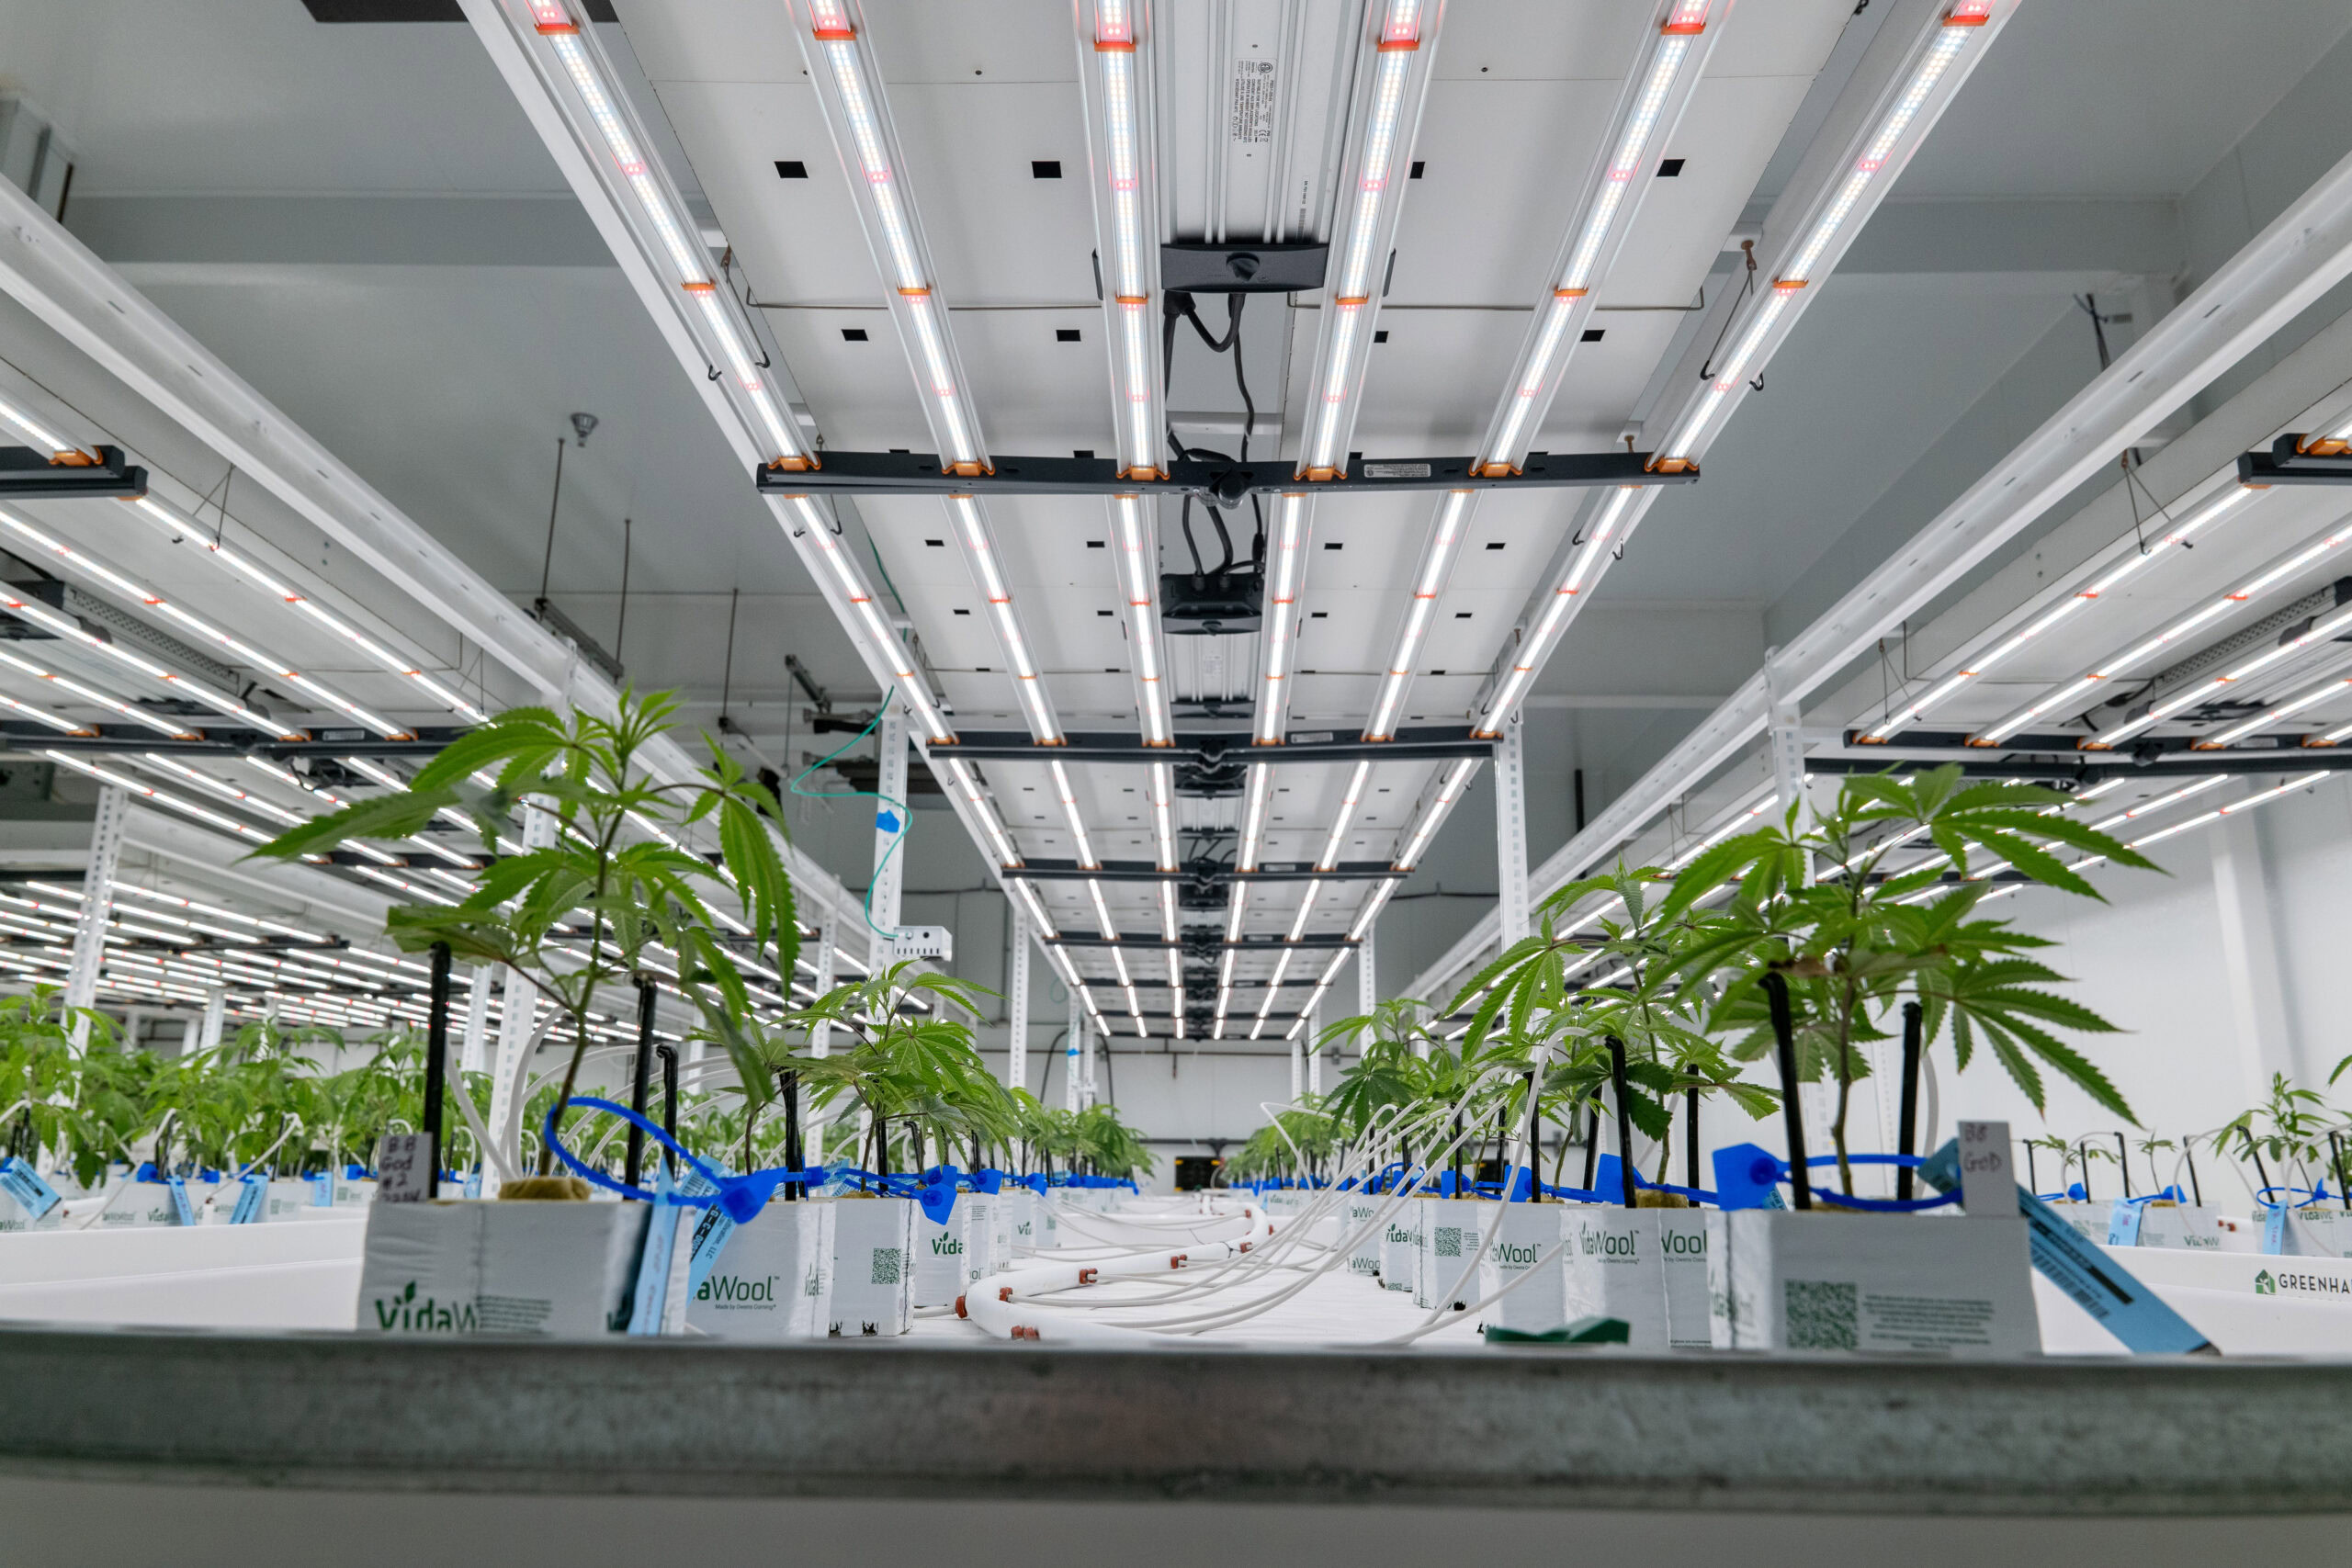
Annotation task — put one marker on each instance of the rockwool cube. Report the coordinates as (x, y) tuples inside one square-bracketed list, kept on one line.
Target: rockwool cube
[(2187, 1228), (1445, 1250), (1527, 1237), (1615, 1267), (939, 1249), (874, 1240), (1363, 1235), (1783, 1279), (773, 1280), (467, 1267), (1400, 1241)]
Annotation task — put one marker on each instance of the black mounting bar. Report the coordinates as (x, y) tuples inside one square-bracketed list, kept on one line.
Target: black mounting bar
[(1159, 943), (1299, 746), (29, 475), (910, 473), (2287, 464), (2026, 757), (1144, 871), (19, 735)]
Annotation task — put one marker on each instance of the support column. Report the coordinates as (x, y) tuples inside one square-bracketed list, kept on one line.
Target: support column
[(1016, 1005), (1072, 1067), (216, 1013), (1511, 830), (1314, 1034), (1367, 980), (821, 1038), (1785, 741), (474, 1056), (98, 904), (1298, 1067), (2250, 958), (521, 1012), (889, 829)]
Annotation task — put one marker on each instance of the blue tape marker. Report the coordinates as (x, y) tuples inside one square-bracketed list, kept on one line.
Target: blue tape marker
[(2117, 1301), (23, 1183)]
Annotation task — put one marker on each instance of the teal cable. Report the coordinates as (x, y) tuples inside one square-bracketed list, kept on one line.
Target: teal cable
[(903, 826)]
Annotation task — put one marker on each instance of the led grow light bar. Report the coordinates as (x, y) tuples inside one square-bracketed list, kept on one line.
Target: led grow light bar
[(94, 697), (1138, 563), (1901, 125), (38, 540), (204, 815), (1429, 577), (184, 530), (1402, 40), (2060, 698), (1114, 68), (597, 104), (67, 629), (832, 40), (1935, 64), (2324, 629), (1278, 633), (1648, 112), (2134, 559), (858, 113)]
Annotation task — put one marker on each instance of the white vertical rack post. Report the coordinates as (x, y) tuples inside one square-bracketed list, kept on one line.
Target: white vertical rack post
[(98, 904)]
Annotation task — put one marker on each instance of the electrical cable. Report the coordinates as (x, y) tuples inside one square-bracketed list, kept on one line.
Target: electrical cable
[(903, 825)]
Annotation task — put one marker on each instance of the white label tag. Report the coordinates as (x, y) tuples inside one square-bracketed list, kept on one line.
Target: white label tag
[(403, 1167), (1988, 1190)]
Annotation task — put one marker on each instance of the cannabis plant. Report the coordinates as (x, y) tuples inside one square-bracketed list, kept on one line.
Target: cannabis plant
[(582, 914), (1853, 911)]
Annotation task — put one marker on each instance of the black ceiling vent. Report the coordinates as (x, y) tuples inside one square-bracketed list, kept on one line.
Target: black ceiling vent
[(1242, 269)]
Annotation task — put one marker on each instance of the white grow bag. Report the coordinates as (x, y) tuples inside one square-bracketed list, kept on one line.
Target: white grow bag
[(2183, 1227), (773, 1280), (873, 1242), (1615, 1267), (1364, 1257), (1781, 1279)]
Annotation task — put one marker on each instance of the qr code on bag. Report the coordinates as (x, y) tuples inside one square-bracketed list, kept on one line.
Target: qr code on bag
[(888, 1262), (1819, 1316), (1449, 1241)]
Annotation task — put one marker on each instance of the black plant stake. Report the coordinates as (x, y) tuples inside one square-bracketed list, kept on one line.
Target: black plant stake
[(1624, 1119), (641, 1086), (669, 1055), (1907, 1132), (436, 1067), (1776, 993)]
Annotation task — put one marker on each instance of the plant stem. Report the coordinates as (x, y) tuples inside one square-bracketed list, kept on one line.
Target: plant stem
[(1845, 1087)]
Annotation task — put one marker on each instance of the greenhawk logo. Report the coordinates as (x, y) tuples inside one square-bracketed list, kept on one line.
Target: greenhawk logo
[(2264, 1285)]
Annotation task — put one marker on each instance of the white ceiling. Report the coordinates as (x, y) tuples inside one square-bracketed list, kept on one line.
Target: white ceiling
[(447, 384)]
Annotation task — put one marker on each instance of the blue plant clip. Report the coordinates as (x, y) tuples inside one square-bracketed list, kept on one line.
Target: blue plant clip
[(1747, 1177)]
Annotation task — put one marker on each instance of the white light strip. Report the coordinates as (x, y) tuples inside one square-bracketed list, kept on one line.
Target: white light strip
[(2321, 632), (1527, 656), (1436, 567), (1125, 216), (1364, 221), (859, 117), (2333, 686), (1604, 215), (184, 530), (2221, 508), (1278, 639), (68, 629), (22, 529), (849, 582), (148, 792), (675, 230), (1256, 797), (981, 554), (1082, 846), (1449, 790), (1138, 567)]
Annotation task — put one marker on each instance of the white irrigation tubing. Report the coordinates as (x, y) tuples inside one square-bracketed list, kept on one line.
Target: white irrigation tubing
[(293, 1126), (1201, 1322)]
